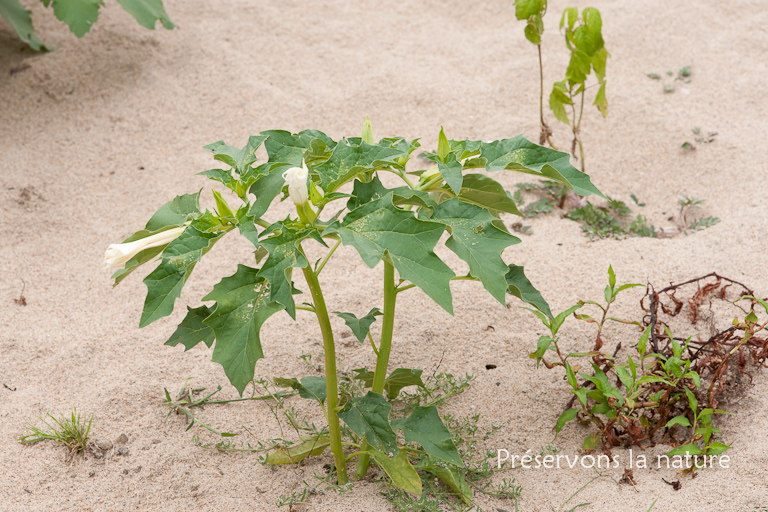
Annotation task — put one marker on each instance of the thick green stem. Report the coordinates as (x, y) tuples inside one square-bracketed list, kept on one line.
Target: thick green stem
[(382, 360), (331, 383)]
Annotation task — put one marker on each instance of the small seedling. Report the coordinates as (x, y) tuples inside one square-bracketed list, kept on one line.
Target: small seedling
[(71, 431), (662, 388), (584, 39)]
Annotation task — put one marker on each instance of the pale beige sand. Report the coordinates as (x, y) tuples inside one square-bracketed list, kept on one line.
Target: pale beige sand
[(105, 129)]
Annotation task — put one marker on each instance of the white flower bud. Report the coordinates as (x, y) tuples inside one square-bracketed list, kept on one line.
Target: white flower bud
[(296, 179), (117, 254)]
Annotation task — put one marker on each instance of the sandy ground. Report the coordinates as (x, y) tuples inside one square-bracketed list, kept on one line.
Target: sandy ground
[(99, 133)]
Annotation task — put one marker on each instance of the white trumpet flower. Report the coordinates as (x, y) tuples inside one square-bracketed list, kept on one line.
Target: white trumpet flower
[(117, 254), (296, 179)]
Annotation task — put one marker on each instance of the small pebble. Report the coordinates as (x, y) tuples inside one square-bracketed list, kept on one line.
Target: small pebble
[(122, 451)]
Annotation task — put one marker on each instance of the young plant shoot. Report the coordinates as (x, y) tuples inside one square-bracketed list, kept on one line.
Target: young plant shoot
[(397, 227), (584, 39)]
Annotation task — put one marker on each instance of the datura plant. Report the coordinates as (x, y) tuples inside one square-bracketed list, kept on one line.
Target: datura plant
[(397, 227)]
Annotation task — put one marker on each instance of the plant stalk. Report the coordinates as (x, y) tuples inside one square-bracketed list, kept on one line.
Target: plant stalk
[(382, 359), (331, 383)]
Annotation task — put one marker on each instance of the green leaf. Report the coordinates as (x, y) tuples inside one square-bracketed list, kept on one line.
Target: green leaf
[(222, 176), (192, 330), (18, 18), (368, 416), (309, 446), (611, 277), (443, 146), (693, 402), (571, 376), (521, 155), (625, 377), (397, 380), (367, 134), (558, 99), (478, 239), (641, 345), (267, 187), (243, 305), (239, 159), (561, 318), (401, 378), (717, 448), (524, 9), (519, 286), (451, 170), (678, 420), (314, 388), (286, 148), (78, 14), (179, 258), (359, 326), (454, 479), (147, 12), (600, 100), (425, 428), (590, 442), (400, 471), (541, 348), (222, 206), (175, 212), (378, 227), (247, 227), (691, 449), (588, 37), (284, 254), (486, 192), (374, 189), (581, 394), (347, 161), (565, 418), (311, 388), (532, 34)]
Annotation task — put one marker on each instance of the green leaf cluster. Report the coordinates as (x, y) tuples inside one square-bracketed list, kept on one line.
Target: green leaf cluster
[(79, 15), (584, 39), (532, 11), (401, 225)]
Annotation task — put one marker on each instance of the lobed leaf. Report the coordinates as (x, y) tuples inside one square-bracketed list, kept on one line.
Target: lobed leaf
[(483, 191), (425, 428), (80, 15), (400, 471), (179, 258), (519, 286), (311, 388), (378, 228), (359, 326), (368, 416), (192, 330), (284, 254), (347, 161), (478, 238), (242, 307), (309, 446), (147, 12), (19, 19)]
